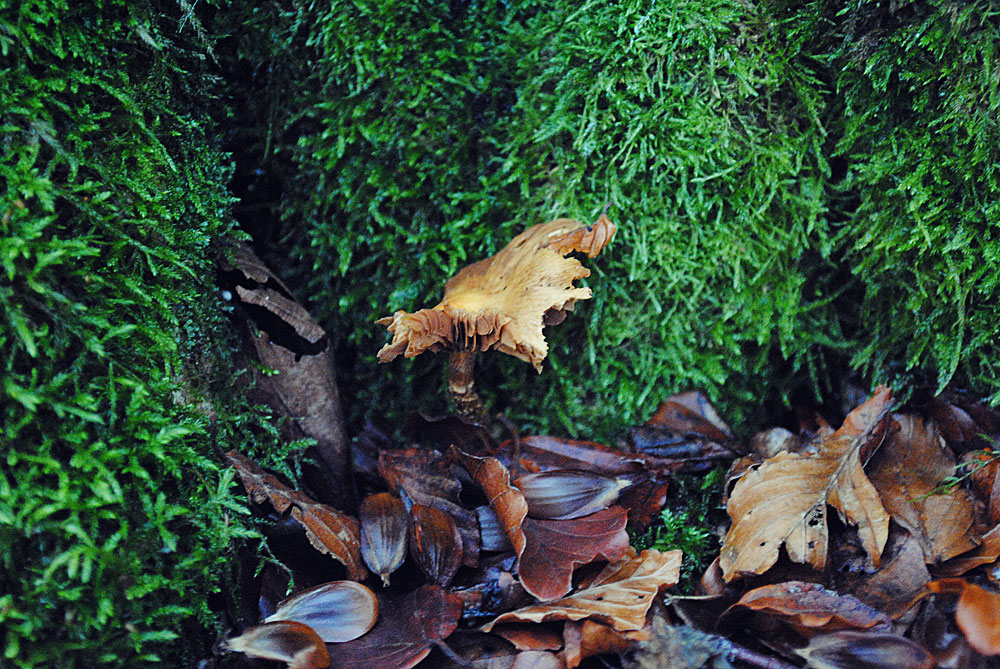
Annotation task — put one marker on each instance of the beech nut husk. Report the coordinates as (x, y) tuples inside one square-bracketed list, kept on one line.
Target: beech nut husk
[(564, 494), (435, 544), (384, 527), (337, 611)]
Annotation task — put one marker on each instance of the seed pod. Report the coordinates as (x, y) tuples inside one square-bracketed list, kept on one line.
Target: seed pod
[(563, 494), (384, 526), (491, 534), (338, 611), (286, 641), (435, 543)]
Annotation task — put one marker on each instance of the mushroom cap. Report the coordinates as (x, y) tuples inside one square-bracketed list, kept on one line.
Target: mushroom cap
[(504, 301)]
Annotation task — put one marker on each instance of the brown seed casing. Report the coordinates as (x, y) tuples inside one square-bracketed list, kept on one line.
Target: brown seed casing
[(435, 543), (384, 527), (565, 494)]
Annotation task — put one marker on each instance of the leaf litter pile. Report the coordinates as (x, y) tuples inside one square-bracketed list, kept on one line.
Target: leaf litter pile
[(860, 546)]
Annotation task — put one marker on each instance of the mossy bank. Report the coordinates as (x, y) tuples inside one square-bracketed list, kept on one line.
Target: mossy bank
[(799, 188)]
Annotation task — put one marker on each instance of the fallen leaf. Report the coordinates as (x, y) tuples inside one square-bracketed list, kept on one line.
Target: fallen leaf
[(985, 482), (811, 608), (337, 611), (385, 526), (685, 428), (977, 613), (587, 638), (902, 575), (537, 659), (435, 544), (505, 500), (986, 553), (290, 642), (531, 637), (328, 530), (619, 596), (287, 340), (543, 453), (548, 550), (783, 501), (421, 476), (554, 548), (408, 626), (865, 650), (907, 470)]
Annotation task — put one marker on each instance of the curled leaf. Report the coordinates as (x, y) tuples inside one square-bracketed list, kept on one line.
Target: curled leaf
[(567, 494), (809, 607), (435, 543), (384, 529), (290, 642), (784, 500), (620, 596), (328, 530), (337, 611)]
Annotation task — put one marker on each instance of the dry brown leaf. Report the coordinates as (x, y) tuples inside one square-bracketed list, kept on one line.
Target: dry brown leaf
[(907, 469), (811, 608), (554, 548), (293, 643), (587, 638), (506, 500), (548, 550), (531, 637), (986, 553), (783, 501), (892, 588), (407, 627), (977, 612), (287, 309), (619, 596), (328, 530)]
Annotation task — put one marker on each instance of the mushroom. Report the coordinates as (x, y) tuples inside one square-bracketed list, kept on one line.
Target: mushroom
[(502, 302)]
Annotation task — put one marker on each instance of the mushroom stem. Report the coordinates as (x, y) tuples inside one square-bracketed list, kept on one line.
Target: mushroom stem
[(462, 386)]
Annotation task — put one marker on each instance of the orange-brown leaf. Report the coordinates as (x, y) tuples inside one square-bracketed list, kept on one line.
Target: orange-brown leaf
[(619, 596), (811, 608), (977, 613), (783, 501), (328, 530), (554, 548), (906, 471), (587, 638)]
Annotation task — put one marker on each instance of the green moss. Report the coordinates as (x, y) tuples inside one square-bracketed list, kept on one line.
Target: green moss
[(784, 206), (116, 519), (686, 524)]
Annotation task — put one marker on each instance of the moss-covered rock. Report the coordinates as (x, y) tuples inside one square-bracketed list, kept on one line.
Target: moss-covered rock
[(115, 516), (797, 185)]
